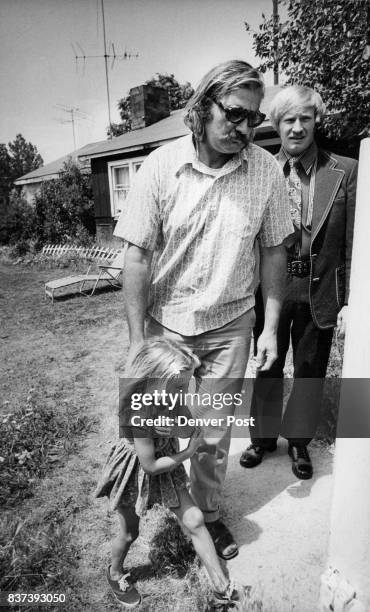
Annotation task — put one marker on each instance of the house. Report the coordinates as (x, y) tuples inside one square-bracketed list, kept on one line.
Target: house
[(32, 181), (114, 162)]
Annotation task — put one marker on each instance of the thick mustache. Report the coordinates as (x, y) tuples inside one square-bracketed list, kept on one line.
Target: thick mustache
[(240, 137)]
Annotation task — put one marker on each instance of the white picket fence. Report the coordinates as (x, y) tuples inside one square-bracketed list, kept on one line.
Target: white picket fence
[(96, 252)]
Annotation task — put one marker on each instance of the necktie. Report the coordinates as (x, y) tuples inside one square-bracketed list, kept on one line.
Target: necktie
[(295, 192)]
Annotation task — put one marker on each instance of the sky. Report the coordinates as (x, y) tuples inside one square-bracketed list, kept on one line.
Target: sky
[(39, 72)]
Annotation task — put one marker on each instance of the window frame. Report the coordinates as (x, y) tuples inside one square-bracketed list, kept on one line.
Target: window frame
[(130, 162)]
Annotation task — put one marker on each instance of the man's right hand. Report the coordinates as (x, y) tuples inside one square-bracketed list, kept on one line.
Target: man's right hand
[(266, 351)]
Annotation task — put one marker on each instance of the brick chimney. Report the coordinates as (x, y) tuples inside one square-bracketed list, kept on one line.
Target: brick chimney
[(148, 105)]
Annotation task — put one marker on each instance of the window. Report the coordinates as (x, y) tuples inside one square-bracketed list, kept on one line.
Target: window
[(121, 175)]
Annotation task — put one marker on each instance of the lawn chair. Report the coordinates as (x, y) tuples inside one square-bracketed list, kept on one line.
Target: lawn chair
[(107, 272)]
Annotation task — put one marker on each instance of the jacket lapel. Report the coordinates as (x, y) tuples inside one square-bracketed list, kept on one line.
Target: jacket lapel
[(328, 180)]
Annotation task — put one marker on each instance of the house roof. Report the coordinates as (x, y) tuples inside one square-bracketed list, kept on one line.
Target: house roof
[(160, 132), (152, 136), (51, 170)]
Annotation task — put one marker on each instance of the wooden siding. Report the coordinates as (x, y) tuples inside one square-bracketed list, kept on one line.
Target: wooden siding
[(100, 187)]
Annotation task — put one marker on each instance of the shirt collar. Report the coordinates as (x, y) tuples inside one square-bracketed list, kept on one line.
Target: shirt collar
[(307, 158), (188, 155)]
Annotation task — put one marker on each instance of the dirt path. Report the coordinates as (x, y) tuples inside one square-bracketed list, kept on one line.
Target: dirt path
[(281, 523)]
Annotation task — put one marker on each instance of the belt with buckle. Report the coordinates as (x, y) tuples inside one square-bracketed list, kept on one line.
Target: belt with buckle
[(299, 266)]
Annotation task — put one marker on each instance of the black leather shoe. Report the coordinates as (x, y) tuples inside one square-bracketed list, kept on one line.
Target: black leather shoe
[(224, 542), (301, 462), (253, 455)]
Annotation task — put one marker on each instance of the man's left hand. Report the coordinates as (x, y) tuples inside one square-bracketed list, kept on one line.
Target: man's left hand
[(342, 322), (266, 351)]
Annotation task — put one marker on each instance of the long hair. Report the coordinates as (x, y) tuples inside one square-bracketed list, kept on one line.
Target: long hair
[(221, 80)]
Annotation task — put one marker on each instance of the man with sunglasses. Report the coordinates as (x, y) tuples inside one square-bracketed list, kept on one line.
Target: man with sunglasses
[(191, 220)]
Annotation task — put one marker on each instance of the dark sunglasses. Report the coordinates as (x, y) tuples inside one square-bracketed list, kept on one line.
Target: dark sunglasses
[(236, 114)]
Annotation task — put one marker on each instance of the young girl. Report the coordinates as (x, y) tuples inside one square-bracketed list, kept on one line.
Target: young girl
[(146, 467)]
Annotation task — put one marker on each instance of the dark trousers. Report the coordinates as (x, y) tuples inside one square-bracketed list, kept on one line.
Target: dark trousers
[(311, 349)]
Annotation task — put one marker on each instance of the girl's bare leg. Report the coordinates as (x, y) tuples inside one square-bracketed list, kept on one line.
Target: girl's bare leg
[(129, 522), (192, 519)]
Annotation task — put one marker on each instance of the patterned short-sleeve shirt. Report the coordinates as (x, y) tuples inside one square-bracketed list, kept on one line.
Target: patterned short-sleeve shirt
[(202, 224)]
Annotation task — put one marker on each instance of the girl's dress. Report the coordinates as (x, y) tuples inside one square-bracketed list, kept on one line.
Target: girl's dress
[(126, 484)]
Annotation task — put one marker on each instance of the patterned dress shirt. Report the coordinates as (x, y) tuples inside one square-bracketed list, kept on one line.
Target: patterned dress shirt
[(202, 224)]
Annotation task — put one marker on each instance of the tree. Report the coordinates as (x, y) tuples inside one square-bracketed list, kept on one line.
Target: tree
[(5, 176), (323, 44), (17, 159), (24, 157), (20, 157), (178, 96)]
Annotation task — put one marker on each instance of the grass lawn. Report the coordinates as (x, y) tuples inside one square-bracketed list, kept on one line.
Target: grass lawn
[(57, 418)]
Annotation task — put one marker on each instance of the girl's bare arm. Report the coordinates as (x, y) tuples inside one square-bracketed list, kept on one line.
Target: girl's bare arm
[(146, 454)]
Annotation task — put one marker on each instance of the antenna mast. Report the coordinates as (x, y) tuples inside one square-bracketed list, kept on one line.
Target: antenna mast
[(106, 62), (75, 113), (112, 54)]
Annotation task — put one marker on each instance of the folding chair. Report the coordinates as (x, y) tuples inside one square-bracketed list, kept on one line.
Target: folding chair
[(107, 272)]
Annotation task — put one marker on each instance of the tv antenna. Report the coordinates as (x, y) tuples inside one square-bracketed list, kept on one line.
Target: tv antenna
[(75, 113), (111, 54)]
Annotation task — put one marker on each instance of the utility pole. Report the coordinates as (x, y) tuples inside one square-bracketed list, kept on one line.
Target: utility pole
[(275, 17), (111, 54)]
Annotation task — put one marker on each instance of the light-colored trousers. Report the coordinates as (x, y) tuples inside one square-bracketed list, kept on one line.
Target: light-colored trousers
[(223, 353)]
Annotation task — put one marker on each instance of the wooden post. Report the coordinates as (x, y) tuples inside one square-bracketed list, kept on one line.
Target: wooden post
[(349, 544)]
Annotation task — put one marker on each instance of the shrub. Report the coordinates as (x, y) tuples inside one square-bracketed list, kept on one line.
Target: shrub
[(63, 212), (65, 209)]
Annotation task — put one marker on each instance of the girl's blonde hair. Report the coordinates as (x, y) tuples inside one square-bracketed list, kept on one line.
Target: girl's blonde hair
[(157, 359), (161, 358)]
